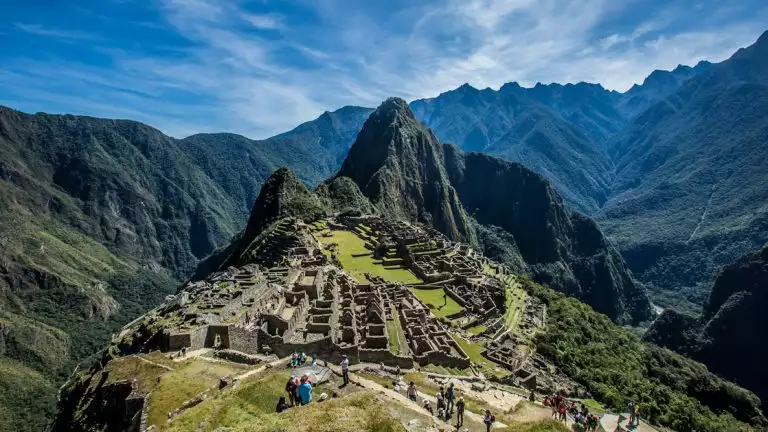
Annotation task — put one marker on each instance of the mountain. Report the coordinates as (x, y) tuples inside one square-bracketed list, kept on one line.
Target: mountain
[(404, 171), (726, 337), (104, 218), (513, 124), (691, 168), (657, 86), (398, 164)]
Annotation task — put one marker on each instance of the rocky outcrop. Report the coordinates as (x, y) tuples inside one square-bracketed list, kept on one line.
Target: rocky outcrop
[(398, 165), (729, 335)]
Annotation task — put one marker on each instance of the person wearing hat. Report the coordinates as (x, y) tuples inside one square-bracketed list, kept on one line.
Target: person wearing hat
[(428, 407), (345, 369), (290, 388), (460, 412)]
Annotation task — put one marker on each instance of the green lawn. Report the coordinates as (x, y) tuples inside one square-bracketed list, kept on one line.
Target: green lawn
[(478, 329), (515, 299), (395, 336), (474, 352), (357, 260), (433, 298)]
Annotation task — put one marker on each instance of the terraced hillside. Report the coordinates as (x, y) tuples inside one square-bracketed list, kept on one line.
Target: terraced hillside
[(216, 354)]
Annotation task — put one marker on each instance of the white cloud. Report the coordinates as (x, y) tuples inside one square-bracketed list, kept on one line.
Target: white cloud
[(262, 73), (265, 21)]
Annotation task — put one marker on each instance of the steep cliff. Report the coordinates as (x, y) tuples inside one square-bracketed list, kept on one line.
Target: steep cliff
[(728, 336)]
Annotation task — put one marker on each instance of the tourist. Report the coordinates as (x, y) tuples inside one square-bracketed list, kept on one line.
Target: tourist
[(412, 391), (345, 369), (592, 422), (637, 414), (427, 406), (563, 411), (294, 359), (281, 405), (303, 358), (305, 391), (440, 412), (440, 400), (532, 396), (449, 395), (460, 412), (488, 419), (290, 388), (631, 409)]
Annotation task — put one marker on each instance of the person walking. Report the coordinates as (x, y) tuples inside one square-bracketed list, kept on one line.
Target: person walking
[(460, 412), (345, 369), (631, 410), (449, 396), (489, 420), (412, 391)]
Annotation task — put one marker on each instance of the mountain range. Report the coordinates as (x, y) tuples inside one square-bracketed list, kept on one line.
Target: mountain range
[(103, 218)]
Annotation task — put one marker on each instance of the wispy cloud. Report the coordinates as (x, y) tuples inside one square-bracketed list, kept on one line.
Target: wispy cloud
[(39, 30), (265, 21), (259, 68)]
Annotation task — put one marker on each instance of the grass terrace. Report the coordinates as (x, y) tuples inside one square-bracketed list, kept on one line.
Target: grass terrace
[(433, 298), (357, 260)]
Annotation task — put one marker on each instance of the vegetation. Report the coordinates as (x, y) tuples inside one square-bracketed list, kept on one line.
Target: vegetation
[(357, 260), (436, 300), (475, 353), (617, 367)]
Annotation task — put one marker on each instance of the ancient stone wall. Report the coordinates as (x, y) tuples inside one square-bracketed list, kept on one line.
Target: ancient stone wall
[(244, 340), (217, 330)]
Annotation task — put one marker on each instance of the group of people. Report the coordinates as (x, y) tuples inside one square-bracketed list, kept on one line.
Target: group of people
[(583, 420), (299, 392), (446, 403), (298, 359)]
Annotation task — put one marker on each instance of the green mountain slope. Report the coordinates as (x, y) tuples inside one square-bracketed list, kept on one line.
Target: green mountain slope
[(692, 167), (104, 218), (726, 336)]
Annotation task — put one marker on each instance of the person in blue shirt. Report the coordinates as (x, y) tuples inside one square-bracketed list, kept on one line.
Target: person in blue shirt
[(305, 391)]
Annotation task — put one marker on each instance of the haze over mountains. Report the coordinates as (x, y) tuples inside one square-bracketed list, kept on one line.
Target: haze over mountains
[(103, 218)]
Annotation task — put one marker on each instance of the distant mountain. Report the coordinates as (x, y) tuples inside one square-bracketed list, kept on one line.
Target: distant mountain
[(691, 183), (657, 86), (103, 218), (514, 124), (727, 337), (404, 171)]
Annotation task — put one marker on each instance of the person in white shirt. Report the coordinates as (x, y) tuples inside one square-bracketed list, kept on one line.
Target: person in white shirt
[(345, 369)]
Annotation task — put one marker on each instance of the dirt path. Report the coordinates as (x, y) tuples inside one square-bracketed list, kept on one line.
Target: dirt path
[(244, 375), (154, 363), (610, 423), (193, 354), (402, 399)]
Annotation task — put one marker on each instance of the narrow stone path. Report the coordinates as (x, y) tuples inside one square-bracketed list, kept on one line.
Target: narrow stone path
[(193, 354), (154, 363)]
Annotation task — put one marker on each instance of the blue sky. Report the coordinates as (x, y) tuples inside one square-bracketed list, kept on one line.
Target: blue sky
[(262, 67)]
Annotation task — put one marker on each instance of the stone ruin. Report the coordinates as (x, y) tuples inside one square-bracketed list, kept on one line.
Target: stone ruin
[(297, 300)]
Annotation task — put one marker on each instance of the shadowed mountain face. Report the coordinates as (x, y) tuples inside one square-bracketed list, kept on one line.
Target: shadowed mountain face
[(515, 125), (403, 170), (728, 336)]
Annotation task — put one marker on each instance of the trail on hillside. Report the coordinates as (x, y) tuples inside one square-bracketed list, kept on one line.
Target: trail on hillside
[(703, 215)]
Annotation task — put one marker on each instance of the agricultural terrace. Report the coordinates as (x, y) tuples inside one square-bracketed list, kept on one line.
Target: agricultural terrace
[(433, 298), (357, 260)]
